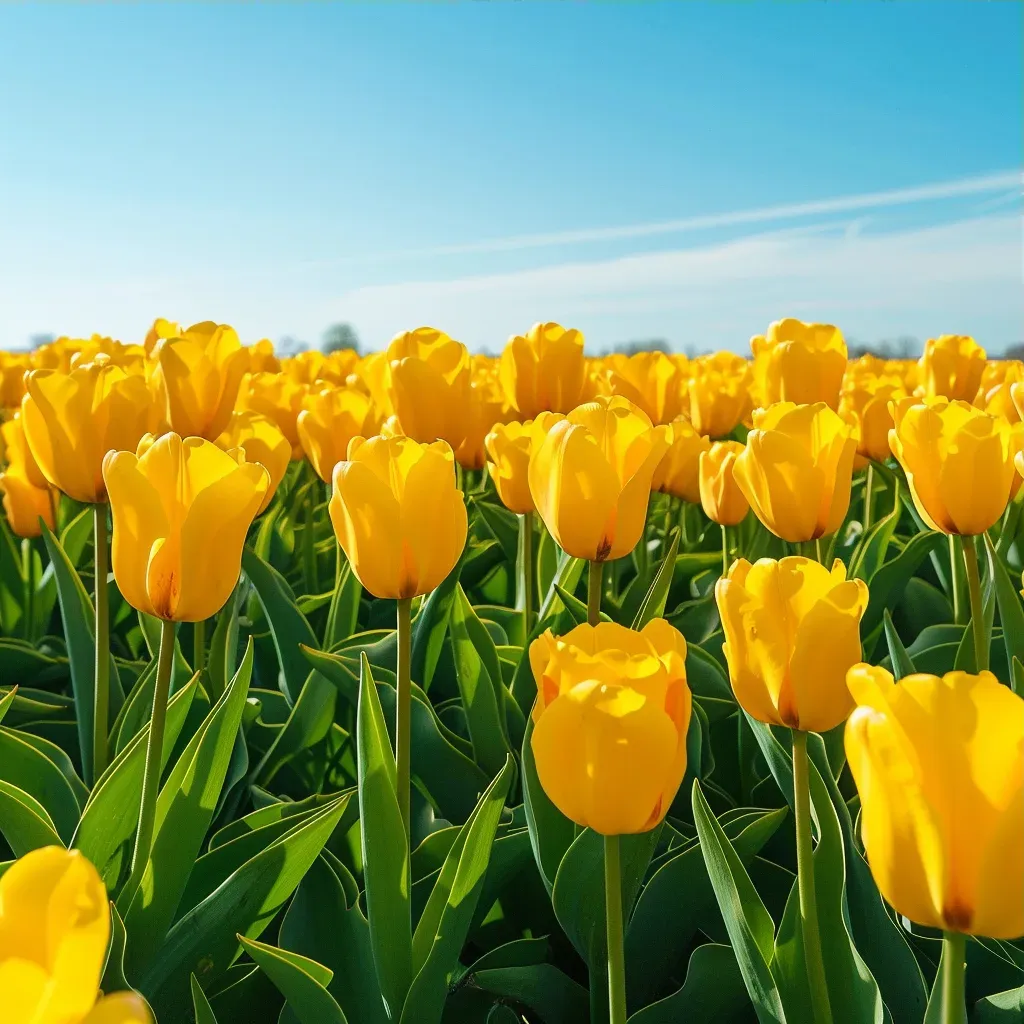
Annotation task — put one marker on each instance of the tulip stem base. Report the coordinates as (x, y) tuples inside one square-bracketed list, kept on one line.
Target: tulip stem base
[(613, 918), (977, 607), (816, 982), (403, 709), (101, 691), (725, 550), (199, 646), (526, 572), (954, 952), (153, 768), (594, 593)]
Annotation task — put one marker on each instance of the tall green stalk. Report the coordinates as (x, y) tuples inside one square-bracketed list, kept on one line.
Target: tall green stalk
[(403, 709), (725, 550), (954, 949), (805, 882), (594, 593), (869, 496), (101, 690), (153, 768), (956, 583), (526, 571), (977, 609), (199, 646), (28, 583), (613, 921), (308, 539)]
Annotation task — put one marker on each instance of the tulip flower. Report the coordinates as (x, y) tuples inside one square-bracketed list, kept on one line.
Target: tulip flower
[(261, 442), (485, 407), (678, 473), (792, 630), (54, 931), (610, 722), (161, 329), (998, 381), (71, 420), (865, 406), (797, 469), (720, 495), (652, 381), (718, 394), (800, 363), (278, 397), (951, 366), (591, 477), (330, 418), (398, 514), (27, 495), (544, 371), (958, 460), (13, 367), (428, 385), (262, 358), (181, 509), (509, 447), (201, 373)]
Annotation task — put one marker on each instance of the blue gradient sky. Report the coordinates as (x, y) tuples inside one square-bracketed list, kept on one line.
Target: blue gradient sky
[(284, 167)]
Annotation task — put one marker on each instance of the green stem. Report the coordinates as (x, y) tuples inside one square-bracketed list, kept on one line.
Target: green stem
[(805, 882), (725, 550), (403, 709), (308, 545), (526, 571), (869, 496), (954, 951), (28, 599), (101, 691), (594, 593), (613, 916), (956, 582), (817, 551), (684, 522), (977, 611), (153, 768), (667, 524), (199, 646)]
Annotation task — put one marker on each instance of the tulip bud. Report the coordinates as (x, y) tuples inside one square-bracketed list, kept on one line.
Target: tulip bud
[(591, 477), (610, 723), (951, 367), (939, 765), (262, 443), (723, 501), (181, 509), (398, 514), (652, 381), (792, 630), (797, 469), (54, 930), (678, 473), (330, 418), (545, 371), (799, 363), (958, 461), (71, 420)]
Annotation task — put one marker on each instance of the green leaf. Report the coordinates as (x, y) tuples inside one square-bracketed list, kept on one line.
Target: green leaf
[(551, 832), (24, 822), (184, 810), (653, 604), (503, 524), (205, 940), (870, 554), (902, 663), (889, 582), (221, 656), (1011, 613), (543, 988), (201, 1009), (1000, 1008), (1017, 677), (573, 605), (480, 683), (114, 979), (385, 849), (444, 923), (302, 982), (343, 614), (430, 627), (750, 927)]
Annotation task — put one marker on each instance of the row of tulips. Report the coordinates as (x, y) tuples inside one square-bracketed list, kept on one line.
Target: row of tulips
[(189, 437)]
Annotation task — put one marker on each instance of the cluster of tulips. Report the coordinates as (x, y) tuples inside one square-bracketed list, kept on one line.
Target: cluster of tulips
[(186, 438)]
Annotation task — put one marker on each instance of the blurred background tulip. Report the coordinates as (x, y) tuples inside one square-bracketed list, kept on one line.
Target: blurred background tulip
[(718, 393), (278, 397), (720, 496), (329, 419), (544, 371), (678, 472), (27, 495), (262, 443), (951, 366), (652, 381), (800, 363), (509, 448)]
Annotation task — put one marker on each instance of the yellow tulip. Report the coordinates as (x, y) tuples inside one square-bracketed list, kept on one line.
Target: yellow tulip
[(330, 418), (201, 373), (261, 442), (591, 477), (160, 330), (13, 367), (723, 501), (998, 380), (484, 408), (71, 421), (262, 358), (398, 514), (797, 469), (428, 385), (718, 394), (951, 367), (181, 509), (544, 371), (958, 461), (610, 721), (278, 397), (798, 362), (509, 448), (678, 473), (54, 930), (24, 504), (939, 765), (865, 405), (652, 381), (792, 630)]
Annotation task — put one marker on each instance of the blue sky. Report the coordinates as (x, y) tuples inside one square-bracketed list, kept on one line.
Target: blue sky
[(284, 167)]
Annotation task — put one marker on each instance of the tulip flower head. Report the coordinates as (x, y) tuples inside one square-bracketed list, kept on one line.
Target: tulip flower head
[(678, 473), (485, 407), (181, 508), (958, 460), (653, 381), (54, 931), (544, 371), (330, 418), (939, 765), (951, 366), (723, 501), (398, 514), (797, 469), (509, 449), (591, 477), (261, 442), (278, 397), (718, 394), (27, 495), (610, 723), (800, 363), (865, 406), (792, 630)]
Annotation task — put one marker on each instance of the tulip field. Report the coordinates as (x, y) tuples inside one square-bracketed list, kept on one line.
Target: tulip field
[(428, 687)]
